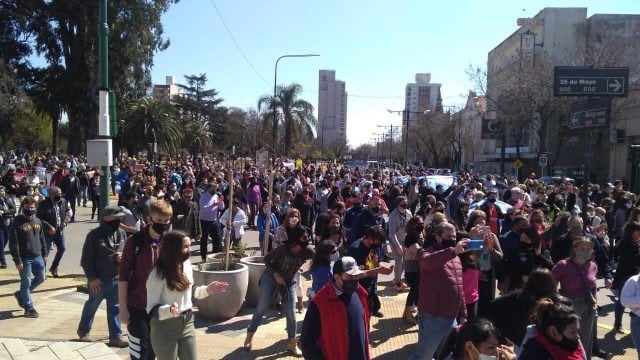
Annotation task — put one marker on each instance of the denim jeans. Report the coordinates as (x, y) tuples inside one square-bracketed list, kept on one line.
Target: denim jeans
[(635, 332), (30, 265), (4, 239), (58, 239), (268, 287), (83, 196), (432, 331), (108, 291)]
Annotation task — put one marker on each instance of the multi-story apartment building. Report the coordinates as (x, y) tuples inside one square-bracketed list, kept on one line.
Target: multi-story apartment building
[(332, 109), (167, 91)]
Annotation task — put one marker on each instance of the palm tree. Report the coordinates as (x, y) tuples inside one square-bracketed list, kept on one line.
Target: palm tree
[(297, 113), (148, 120), (198, 137)]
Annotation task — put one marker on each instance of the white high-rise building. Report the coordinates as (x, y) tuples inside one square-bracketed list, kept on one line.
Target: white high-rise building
[(332, 109), (422, 96)]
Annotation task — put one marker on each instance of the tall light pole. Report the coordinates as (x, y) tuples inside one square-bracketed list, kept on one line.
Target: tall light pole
[(322, 133), (275, 96)]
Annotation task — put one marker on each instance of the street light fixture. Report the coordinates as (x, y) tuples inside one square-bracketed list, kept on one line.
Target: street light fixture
[(275, 98)]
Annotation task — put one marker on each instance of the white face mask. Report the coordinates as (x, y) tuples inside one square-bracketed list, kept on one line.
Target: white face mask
[(334, 256), (293, 221), (487, 357)]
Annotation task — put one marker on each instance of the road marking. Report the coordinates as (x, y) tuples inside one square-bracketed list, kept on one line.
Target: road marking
[(609, 327)]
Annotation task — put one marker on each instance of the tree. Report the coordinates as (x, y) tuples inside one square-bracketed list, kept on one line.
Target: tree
[(297, 114), (32, 130), (149, 121), (12, 102), (434, 134), (64, 33)]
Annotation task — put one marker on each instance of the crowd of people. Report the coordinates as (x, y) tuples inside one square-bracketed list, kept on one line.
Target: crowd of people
[(492, 266)]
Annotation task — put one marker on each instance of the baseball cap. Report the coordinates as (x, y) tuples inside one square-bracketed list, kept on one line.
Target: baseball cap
[(347, 264), (113, 211)]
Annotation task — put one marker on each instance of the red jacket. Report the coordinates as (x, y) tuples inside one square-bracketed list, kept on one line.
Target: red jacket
[(334, 338), (441, 292)]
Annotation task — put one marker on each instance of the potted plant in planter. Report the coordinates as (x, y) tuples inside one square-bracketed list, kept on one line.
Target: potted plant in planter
[(256, 268), (225, 305)]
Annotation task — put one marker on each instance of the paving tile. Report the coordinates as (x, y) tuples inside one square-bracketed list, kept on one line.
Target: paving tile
[(15, 347), (95, 350)]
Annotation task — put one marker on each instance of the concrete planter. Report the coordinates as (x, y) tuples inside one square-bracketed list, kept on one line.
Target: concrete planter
[(225, 305), (256, 268)]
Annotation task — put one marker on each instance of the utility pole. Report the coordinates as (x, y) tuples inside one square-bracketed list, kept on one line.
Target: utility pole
[(103, 119), (390, 127)]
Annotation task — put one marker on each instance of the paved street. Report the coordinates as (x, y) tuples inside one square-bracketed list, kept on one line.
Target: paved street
[(60, 306)]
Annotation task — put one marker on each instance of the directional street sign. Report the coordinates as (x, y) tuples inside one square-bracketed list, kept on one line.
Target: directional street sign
[(586, 81), (590, 113)]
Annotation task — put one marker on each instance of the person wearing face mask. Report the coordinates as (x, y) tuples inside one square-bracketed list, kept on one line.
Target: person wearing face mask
[(441, 299), (7, 212), (29, 252), (478, 340), (557, 333), (493, 212), (577, 278), (397, 231), (413, 242), (281, 266), (561, 248), (351, 214), (326, 255), (334, 231), (101, 255), (138, 257), (523, 259), (340, 304), (54, 212), (169, 291), (371, 215)]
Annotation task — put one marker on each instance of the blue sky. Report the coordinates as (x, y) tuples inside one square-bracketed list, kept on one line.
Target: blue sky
[(375, 46)]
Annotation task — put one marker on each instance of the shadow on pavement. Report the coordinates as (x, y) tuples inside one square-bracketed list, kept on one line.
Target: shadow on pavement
[(400, 353), (616, 346), (275, 351)]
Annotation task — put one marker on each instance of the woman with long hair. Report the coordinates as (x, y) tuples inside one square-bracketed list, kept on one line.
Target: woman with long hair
[(629, 253), (327, 252), (479, 339), (281, 266), (169, 291), (577, 278), (335, 232), (413, 242), (487, 259), (291, 221)]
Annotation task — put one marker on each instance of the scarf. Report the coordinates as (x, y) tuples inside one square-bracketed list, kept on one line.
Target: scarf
[(556, 352)]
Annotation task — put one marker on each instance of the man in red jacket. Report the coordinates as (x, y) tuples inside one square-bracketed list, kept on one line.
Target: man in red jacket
[(336, 326), (441, 299)]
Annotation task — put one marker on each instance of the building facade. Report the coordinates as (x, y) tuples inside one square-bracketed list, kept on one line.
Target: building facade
[(332, 109), (422, 96), (167, 91), (558, 37)]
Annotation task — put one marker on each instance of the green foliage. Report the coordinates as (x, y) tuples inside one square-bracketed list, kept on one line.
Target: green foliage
[(31, 130), (147, 117), (297, 114), (65, 34)]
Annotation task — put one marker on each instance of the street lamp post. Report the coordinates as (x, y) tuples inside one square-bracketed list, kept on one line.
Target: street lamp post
[(275, 82), (390, 142)]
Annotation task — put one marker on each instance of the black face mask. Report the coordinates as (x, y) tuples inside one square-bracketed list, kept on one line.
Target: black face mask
[(186, 257), (448, 243), (28, 212), (160, 228), (567, 344), (56, 198), (375, 209), (113, 224), (334, 230), (491, 200), (419, 229), (349, 286)]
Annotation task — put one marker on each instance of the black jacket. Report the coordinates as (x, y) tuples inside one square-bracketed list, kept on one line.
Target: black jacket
[(510, 313), (68, 187), (46, 213), (99, 252), (628, 260), (26, 238)]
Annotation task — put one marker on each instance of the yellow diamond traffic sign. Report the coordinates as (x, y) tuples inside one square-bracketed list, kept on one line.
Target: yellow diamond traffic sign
[(518, 164)]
